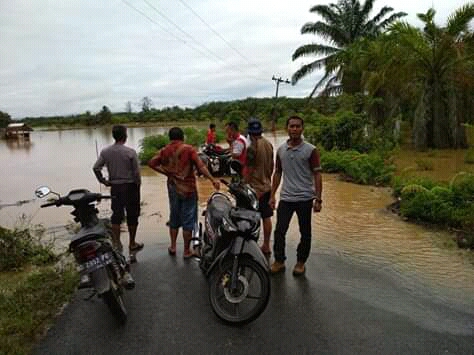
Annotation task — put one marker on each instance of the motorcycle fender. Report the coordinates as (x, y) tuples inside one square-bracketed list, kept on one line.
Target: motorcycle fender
[(251, 248), (100, 280), (240, 247)]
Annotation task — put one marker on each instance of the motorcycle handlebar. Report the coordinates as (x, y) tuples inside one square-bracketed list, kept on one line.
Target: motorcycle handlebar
[(62, 200), (54, 203)]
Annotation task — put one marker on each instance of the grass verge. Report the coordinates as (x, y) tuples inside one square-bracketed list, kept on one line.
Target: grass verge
[(29, 304), (32, 290)]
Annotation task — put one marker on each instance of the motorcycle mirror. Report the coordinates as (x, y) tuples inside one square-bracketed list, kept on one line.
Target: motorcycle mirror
[(235, 167), (42, 191)]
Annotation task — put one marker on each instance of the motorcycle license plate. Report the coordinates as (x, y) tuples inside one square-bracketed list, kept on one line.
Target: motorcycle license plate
[(96, 263)]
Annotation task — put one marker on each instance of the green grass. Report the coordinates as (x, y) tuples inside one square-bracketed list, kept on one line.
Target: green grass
[(29, 304), (32, 291)]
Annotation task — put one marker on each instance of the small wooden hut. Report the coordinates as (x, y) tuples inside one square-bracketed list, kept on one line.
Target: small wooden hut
[(18, 130)]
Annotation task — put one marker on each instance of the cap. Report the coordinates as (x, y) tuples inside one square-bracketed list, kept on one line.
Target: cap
[(254, 126)]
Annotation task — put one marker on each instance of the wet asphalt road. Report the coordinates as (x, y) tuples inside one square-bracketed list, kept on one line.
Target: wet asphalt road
[(341, 306)]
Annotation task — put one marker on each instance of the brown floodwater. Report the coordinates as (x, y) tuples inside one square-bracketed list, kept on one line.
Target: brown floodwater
[(354, 221)]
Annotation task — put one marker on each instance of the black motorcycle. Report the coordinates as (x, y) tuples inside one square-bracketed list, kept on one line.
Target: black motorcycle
[(216, 159), (238, 273), (101, 266)]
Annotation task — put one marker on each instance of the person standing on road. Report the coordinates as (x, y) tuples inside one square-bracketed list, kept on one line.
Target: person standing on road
[(178, 161), (298, 162), (124, 180), (259, 176)]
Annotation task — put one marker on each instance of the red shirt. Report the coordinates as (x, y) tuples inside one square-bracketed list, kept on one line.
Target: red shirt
[(177, 161), (211, 137)]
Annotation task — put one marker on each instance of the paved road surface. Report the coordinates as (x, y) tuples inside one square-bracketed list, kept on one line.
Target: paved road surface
[(342, 306)]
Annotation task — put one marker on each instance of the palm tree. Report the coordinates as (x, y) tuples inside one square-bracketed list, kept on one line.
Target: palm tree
[(344, 23), (439, 61)]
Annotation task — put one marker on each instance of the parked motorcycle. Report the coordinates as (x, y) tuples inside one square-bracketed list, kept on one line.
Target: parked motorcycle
[(238, 272), (101, 266), (216, 159)]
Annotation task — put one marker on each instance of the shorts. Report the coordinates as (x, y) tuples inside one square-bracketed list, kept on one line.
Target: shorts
[(263, 207), (183, 210), (125, 198)]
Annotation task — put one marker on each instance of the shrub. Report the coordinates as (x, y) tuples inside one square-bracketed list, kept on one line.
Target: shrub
[(150, 145), (19, 247), (369, 169), (359, 168), (399, 182), (462, 186)]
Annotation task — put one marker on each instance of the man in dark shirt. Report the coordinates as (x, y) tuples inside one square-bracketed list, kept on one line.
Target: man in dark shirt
[(124, 181)]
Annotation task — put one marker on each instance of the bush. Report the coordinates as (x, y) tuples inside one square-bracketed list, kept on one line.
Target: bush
[(18, 248), (359, 168), (462, 186), (369, 169), (150, 145), (399, 182)]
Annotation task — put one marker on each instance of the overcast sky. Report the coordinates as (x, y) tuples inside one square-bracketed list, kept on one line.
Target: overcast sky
[(61, 57)]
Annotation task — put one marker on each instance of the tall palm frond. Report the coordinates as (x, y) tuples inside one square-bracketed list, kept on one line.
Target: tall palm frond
[(342, 24)]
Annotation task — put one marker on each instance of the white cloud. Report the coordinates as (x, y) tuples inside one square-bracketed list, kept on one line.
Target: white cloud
[(67, 57)]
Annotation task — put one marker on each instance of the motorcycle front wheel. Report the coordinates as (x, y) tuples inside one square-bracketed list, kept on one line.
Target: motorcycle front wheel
[(113, 298), (247, 300)]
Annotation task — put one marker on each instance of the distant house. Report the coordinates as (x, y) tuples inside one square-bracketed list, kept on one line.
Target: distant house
[(18, 130)]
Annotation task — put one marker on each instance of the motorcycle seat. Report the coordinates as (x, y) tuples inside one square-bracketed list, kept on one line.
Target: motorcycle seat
[(88, 233)]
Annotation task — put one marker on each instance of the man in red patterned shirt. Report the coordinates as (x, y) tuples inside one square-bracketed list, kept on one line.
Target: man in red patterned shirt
[(178, 161)]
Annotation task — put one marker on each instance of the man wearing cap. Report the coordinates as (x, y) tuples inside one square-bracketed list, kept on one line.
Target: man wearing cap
[(259, 176)]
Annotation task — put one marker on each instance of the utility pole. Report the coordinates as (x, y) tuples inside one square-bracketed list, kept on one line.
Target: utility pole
[(278, 81)]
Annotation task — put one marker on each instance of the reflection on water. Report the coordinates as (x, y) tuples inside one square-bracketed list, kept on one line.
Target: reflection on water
[(353, 222), (19, 143)]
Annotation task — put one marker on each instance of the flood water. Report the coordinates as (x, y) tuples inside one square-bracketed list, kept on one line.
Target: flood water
[(353, 223)]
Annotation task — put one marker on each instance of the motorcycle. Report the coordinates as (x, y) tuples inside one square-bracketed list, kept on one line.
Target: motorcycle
[(216, 159), (229, 256), (102, 267)]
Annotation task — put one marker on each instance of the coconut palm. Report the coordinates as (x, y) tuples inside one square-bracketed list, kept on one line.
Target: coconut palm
[(440, 62), (344, 23)]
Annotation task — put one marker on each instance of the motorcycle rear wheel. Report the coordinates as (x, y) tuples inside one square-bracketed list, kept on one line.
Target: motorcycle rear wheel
[(248, 301), (113, 298)]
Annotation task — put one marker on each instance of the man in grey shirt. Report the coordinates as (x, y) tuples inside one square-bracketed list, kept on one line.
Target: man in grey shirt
[(124, 181), (299, 164)]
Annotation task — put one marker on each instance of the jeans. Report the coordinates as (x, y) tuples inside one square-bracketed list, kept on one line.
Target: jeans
[(285, 212)]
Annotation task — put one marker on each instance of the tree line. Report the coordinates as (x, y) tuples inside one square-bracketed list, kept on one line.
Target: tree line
[(379, 70)]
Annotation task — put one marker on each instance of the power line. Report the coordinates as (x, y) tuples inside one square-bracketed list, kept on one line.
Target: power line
[(217, 33), (239, 69), (153, 21), (181, 30)]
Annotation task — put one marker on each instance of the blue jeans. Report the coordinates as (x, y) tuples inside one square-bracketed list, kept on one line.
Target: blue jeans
[(285, 212), (183, 210)]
